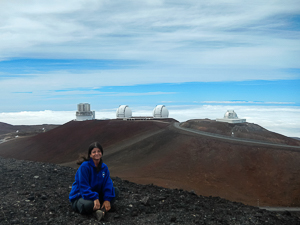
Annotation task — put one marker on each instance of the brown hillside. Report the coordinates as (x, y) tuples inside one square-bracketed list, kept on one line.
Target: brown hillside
[(66, 142), (24, 129), (6, 128), (9, 132), (209, 166), (156, 152), (240, 130)]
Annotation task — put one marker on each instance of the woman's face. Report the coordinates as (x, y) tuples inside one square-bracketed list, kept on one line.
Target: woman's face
[(96, 154)]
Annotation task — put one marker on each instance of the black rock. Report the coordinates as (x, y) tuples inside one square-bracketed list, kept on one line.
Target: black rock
[(31, 198), (134, 212), (173, 219), (44, 197), (138, 204)]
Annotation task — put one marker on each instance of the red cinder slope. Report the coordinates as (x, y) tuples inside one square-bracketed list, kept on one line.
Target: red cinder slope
[(157, 152), (246, 173), (66, 142)]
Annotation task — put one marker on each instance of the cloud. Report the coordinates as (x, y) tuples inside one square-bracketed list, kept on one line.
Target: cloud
[(37, 117), (77, 45), (193, 34), (248, 102), (139, 94), (276, 119), (283, 120)]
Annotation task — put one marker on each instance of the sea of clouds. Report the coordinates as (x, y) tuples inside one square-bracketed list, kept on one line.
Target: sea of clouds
[(283, 120)]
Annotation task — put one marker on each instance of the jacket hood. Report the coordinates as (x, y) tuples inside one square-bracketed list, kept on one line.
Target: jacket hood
[(91, 161)]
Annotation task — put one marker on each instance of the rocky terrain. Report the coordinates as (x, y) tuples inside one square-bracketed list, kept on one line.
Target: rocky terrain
[(37, 193), (155, 151)]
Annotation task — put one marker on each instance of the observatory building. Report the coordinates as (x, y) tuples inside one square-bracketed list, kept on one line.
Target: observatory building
[(231, 117), (124, 112), (160, 111), (84, 112)]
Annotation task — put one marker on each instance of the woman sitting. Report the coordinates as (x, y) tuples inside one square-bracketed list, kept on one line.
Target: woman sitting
[(93, 191)]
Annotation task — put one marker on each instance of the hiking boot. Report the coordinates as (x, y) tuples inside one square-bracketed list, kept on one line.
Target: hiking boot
[(99, 214)]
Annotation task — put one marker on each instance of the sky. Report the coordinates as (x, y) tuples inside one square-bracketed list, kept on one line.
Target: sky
[(198, 58)]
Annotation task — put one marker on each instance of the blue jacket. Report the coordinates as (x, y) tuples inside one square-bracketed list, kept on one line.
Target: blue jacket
[(89, 183)]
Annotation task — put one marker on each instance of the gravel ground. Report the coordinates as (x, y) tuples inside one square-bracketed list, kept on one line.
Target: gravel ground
[(37, 193)]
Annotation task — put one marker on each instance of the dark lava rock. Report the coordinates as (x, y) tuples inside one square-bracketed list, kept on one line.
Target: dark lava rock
[(44, 197), (47, 202), (31, 198)]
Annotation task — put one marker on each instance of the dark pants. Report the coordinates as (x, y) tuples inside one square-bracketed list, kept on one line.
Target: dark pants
[(87, 206)]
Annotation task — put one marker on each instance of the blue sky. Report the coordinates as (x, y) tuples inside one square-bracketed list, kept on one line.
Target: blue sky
[(186, 55)]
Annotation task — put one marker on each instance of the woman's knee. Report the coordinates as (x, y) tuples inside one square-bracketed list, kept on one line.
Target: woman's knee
[(84, 206), (117, 193)]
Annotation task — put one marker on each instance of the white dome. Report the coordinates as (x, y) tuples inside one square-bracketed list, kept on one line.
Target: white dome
[(160, 111), (124, 112), (230, 114)]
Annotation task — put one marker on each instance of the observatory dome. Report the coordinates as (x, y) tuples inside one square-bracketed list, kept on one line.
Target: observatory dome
[(123, 112), (230, 114), (160, 111), (231, 117)]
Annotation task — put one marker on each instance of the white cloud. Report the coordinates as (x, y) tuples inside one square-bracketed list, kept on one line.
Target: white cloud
[(176, 41), (283, 120), (184, 35), (248, 102), (37, 117)]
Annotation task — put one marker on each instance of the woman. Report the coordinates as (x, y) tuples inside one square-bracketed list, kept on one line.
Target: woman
[(93, 191)]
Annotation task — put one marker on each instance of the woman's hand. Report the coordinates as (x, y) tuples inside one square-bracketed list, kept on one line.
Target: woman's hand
[(96, 205), (106, 205)]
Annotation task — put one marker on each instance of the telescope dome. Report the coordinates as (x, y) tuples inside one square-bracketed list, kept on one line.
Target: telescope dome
[(230, 114), (124, 112), (231, 117), (160, 111)]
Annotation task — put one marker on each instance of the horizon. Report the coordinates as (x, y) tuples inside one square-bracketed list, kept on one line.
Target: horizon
[(270, 118), (195, 57)]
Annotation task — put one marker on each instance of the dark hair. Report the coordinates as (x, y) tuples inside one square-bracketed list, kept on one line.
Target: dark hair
[(82, 158), (92, 146)]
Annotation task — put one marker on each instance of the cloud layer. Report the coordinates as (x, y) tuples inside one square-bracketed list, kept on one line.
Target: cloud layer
[(277, 119), (55, 54), (200, 39)]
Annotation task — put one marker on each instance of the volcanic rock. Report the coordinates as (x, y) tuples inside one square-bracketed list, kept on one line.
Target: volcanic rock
[(138, 204)]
